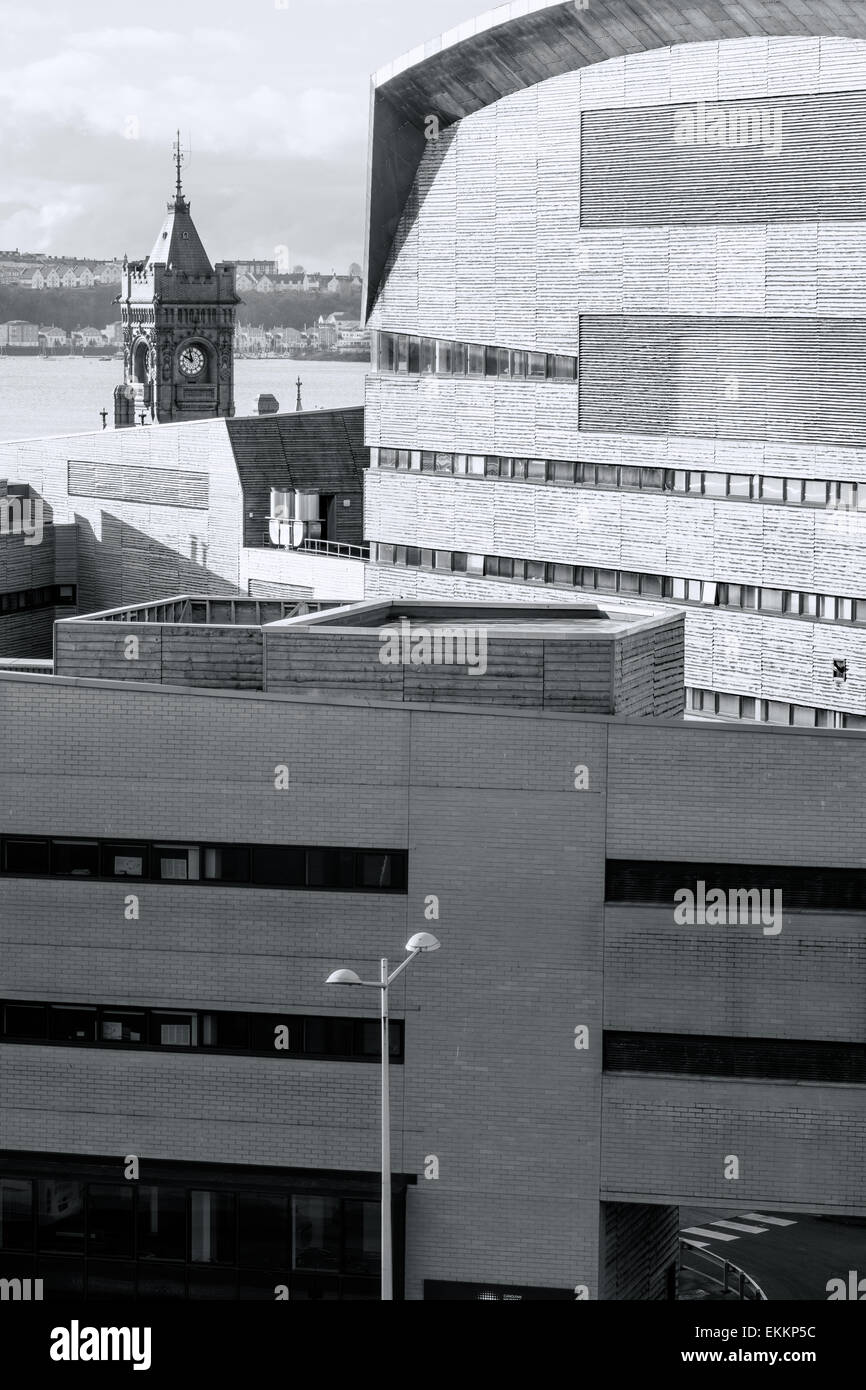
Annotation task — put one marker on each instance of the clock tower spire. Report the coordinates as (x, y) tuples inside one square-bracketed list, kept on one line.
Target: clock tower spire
[(178, 315)]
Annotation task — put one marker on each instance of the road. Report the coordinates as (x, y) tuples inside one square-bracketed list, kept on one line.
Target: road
[(792, 1261)]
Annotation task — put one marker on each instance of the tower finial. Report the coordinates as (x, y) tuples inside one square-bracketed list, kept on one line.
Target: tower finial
[(178, 159)]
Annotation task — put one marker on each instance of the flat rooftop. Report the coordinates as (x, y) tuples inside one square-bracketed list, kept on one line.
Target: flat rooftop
[(519, 620)]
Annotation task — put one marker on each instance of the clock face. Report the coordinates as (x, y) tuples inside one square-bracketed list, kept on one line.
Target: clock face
[(191, 361)]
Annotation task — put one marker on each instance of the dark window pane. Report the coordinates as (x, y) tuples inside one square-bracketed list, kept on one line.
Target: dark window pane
[(370, 1034), (122, 1025), (70, 1024), (16, 1214), (361, 1237), (124, 861), (257, 1286), (376, 869), (109, 1220), (331, 868), (26, 857), (428, 355), (264, 1035), (212, 1227), (563, 368), (228, 863), (316, 1233), (110, 1279), (61, 1215), (504, 362), (225, 1030), (414, 355), (329, 1037), (279, 864), (161, 1223), (79, 858), (24, 1021), (491, 361), (537, 364), (263, 1231), (459, 359)]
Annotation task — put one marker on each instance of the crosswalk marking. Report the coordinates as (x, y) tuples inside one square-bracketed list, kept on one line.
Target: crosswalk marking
[(711, 1235), (768, 1220), (740, 1226)]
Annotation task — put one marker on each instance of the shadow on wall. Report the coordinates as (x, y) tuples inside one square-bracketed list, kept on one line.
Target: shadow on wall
[(126, 566)]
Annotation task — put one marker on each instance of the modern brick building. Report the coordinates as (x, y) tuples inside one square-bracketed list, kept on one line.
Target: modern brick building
[(615, 270), (572, 1064), (208, 507)]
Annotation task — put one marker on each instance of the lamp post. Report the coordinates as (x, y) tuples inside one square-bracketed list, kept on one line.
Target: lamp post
[(421, 941)]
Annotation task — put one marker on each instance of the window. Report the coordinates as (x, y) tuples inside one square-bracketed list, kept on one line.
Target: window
[(170, 1029), (72, 1023), (458, 359), (537, 364), (123, 1025), (715, 484), (110, 1226), (24, 1021), (277, 864), (444, 356), (161, 1223), (26, 857), (740, 485), (212, 1227), (414, 356), (427, 356), (75, 858), (16, 1214), (815, 492), (124, 860), (563, 472), (518, 363), (331, 868), (536, 470), (773, 489), (227, 863), (772, 600), (475, 360), (376, 869), (491, 361)]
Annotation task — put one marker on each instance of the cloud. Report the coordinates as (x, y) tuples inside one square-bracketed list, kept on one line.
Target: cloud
[(87, 87)]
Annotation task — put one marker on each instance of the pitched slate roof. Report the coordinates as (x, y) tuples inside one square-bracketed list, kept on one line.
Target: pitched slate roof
[(315, 449)]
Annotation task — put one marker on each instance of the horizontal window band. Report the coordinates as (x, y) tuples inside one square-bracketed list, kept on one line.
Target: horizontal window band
[(296, 1037), (654, 883), (299, 867), (767, 1059)]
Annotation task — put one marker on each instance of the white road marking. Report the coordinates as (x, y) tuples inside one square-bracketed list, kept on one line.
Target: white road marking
[(702, 1231), (769, 1220), (739, 1226)]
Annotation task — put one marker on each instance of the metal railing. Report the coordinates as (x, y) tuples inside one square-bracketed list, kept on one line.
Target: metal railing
[(210, 610), (344, 548), (726, 1276)]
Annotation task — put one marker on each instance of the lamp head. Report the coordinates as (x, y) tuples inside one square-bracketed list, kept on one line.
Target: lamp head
[(423, 941), (343, 977)]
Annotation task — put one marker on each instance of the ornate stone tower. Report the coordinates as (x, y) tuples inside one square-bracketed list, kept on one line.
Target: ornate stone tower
[(178, 315)]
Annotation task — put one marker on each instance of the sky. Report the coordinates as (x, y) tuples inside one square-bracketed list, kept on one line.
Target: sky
[(271, 97)]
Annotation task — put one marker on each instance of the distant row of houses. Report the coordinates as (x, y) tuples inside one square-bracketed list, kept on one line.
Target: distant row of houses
[(18, 333), (38, 272), (44, 274), (336, 333), (265, 277)]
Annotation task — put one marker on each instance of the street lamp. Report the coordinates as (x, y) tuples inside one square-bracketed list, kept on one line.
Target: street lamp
[(421, 941)]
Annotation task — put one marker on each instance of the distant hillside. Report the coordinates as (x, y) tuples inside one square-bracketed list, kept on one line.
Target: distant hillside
[(96, 308), (65, 308), (293, 310)]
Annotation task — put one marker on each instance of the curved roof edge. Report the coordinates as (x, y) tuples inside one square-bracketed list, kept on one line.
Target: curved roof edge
[(525, 42)]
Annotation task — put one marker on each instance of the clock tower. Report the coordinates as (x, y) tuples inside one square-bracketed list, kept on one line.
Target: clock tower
[(178, 316)]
